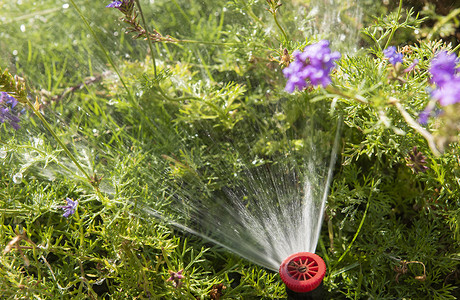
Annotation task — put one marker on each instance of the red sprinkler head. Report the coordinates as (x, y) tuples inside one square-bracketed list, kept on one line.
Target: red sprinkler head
[(302, 272)]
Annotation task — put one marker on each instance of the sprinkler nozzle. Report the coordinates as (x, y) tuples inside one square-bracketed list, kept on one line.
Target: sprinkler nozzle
[(302, 273)]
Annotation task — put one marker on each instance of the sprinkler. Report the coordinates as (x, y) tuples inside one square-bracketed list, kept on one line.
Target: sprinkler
[(303, 273)]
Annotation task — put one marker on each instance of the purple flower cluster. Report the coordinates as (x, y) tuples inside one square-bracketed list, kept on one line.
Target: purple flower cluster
[(311, 67), (124, 6), (444, 73), (443, 68), (70, 208), (7, 110), (115, 4), (393, 56), (446, 76)]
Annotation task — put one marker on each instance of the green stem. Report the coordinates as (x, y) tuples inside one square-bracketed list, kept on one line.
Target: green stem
[(66, 150), (416, 126), (109, 59), (281, 28), (185, 98), (165, 256), (456, 48), (359, 228), (393, 30), (149, 40), (452, 15), (182, 12), (151, 49), (335, 91), (82, 233), (207, 43), (251, 13), (98, 41), (44, 154)]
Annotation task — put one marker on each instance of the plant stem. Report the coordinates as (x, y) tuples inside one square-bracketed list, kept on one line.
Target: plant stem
[(66, 150), (393, 30), (456, 48), (109, 59), (207, 43), (149, 40), (44, 154), (281, 28), (251, 13), (452, 15), (333, 90), (181, 11), (359, 228), (165, 257), (101, 46), (412, 123)]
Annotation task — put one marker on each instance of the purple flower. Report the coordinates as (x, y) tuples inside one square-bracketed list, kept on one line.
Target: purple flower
[(125, 6), (70, 208), (7, 111), (311, 67), (393, 56), (443, 68), (175, 277), (115, 4), (448, 93)]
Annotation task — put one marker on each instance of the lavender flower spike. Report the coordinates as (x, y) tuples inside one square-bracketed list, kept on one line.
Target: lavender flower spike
[(393, 56), (311, 67), (70, 208)]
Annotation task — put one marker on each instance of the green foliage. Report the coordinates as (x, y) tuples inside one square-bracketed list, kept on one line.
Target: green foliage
[(190, 117), (386, 26)]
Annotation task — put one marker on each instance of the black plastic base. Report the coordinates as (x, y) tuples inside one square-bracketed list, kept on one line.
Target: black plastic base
[(316, 294)]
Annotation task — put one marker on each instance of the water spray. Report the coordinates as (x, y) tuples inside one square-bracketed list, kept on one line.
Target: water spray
[(303, 274)]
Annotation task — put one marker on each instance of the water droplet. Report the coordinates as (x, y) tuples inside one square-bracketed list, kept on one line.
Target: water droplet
[(37, 142), (17, 178), (2, 153)]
